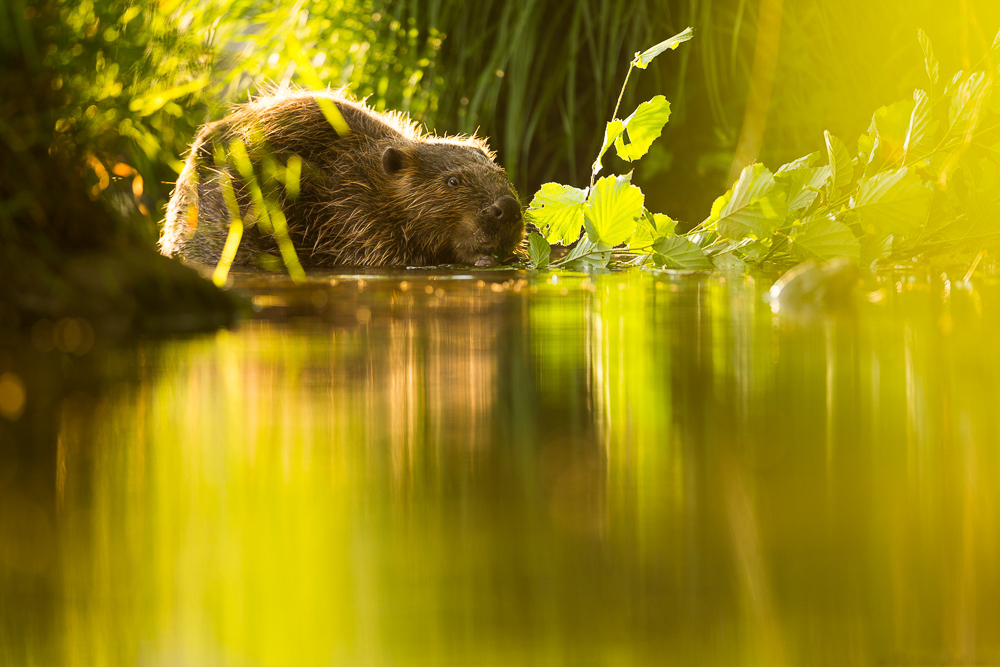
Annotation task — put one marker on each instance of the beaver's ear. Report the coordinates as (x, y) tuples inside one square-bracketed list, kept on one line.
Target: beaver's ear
[(392, 161)]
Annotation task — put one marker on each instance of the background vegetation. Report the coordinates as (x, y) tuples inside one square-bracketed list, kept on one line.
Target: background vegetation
[(101, 99)]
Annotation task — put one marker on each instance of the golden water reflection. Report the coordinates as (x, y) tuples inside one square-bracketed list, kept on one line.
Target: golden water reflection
[(424, 469)]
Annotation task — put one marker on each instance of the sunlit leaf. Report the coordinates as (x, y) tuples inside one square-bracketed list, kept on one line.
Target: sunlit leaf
[(891, 124), (803, 185), (967, 97), (728, 263), (611, 133), (866, 146), (918, 142), (894, 202), (875, 247), (643, 127), (557, 210), (751, 208), (650, 227), (643, 59), (824, 238), (678, 252), (221, 273), (930, 62), (803, 162), (612, 210), (586, 255), (841, 166), (293, 177), (538, 250)]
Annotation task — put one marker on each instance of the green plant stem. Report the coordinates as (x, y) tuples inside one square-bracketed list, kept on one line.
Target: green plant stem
[(614, 115)]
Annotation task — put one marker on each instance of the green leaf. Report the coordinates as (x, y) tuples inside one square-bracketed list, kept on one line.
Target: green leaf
[(891, 124), (538, 250), (875, 247), (585, 255), (803, 162), (643, 127), (612, 209), (650, 227), (803, 185), (894, 202), (729, 263), (967, 97), (841, 166), (824, 238), (751, 208), (866, 147), (641, 60), (557, 210), (677, 252), (919, 142), (611, 133), (930, 62)]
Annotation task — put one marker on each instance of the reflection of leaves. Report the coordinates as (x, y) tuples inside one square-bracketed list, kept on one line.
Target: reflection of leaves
[(557, 210), (643, 127), (894, 202), (643, 59), (612, 209), (824, 238), (538, 250), (677, 252)]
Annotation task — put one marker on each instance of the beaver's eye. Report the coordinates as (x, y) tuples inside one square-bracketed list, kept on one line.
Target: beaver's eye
[(454, 182)]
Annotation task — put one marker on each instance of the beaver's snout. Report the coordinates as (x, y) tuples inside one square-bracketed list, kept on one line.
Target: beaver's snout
[(506, 209)]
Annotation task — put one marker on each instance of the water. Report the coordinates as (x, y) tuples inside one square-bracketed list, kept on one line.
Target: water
[(420, 468)]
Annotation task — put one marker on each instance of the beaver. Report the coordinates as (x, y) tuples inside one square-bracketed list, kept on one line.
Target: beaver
[(383, 194)]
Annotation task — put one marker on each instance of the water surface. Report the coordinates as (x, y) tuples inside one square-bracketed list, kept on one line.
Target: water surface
[(503, 468)]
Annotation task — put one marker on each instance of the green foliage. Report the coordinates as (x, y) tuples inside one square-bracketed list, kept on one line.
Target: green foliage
[(643, 127), (535, 76), (678, 252), (754, 207), (538, 250), (643, 59), (558, 210), (611, 209), (925, 179), (922, 183)]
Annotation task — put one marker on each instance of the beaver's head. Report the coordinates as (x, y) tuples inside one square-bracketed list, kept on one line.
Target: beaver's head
[(460, 207)]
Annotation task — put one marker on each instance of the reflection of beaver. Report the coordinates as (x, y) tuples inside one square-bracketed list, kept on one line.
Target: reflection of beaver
[(383, 194)]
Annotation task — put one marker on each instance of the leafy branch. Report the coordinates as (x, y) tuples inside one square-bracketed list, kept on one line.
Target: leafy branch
[(925, 178)]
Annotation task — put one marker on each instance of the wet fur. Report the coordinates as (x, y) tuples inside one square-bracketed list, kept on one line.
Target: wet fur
[(350, 210)]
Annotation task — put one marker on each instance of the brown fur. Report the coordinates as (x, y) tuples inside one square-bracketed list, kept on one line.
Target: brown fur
[(385, 194)]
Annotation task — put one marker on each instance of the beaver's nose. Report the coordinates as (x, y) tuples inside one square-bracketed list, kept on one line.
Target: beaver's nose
[(506, 209)]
